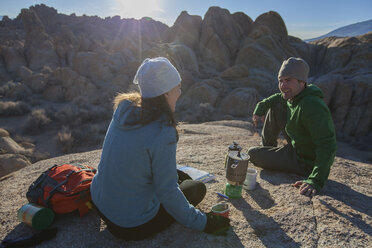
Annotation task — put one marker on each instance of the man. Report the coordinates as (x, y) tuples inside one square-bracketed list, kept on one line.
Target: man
[(300, 113)]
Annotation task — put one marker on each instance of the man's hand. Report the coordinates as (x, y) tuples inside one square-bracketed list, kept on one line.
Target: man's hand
[(256, 118), (305, 188)]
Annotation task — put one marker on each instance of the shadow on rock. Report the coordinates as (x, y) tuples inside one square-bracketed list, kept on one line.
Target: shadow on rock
[(277, 177), (264, 227), (261, 196), (71, 229), (356, 219), (19, 232), (348, 196)]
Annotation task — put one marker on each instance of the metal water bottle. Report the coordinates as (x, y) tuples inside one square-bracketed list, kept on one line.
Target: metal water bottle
[(236, 164)]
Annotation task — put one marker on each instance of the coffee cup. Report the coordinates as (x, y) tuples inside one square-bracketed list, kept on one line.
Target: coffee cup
[(221, 209), (250, 179)]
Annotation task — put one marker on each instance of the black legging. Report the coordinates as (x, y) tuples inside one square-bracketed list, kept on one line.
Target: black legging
[(194, 192)]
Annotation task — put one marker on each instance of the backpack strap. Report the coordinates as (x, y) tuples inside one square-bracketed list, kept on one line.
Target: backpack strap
[(56, 188), (32, 193)]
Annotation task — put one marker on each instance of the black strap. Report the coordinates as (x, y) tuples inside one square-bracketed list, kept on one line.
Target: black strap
[(57, 187)]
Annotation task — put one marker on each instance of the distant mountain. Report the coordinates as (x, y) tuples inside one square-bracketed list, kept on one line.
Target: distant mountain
[(355, 29)]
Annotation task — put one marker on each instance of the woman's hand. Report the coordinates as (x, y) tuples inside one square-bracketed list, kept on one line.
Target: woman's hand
[(216, 224)]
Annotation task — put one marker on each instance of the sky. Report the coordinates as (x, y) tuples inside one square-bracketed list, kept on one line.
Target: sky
[(304, 18)]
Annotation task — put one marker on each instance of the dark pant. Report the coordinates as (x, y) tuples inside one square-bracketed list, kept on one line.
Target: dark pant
[(194, 192), (269, 155)]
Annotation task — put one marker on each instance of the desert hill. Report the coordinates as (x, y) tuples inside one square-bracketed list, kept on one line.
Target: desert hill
[(355, 29)]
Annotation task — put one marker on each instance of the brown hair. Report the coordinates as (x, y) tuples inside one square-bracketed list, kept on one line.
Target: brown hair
[(151, 108)]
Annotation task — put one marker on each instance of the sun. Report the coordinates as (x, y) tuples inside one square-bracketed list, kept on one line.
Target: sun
[(137, 8)]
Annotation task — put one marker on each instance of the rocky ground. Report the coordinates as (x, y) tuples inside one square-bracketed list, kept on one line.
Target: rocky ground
[(272, 215)]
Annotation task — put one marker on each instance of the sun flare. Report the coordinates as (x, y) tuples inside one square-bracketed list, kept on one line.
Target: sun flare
[(137, 8)]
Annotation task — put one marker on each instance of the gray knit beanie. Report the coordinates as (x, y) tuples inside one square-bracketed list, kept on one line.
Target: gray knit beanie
[(295, 68), (156, 76)]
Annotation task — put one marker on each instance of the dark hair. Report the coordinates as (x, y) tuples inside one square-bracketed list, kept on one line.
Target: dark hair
[(151, 108), (154, 108)]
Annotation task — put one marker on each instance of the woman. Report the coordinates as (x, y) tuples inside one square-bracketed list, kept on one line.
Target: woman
[(135, 189)]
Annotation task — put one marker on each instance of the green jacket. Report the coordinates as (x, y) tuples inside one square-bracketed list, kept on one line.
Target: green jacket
[(310, 127)]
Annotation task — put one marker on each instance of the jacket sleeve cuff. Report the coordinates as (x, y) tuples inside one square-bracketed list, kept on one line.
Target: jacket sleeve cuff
[(312, 183)]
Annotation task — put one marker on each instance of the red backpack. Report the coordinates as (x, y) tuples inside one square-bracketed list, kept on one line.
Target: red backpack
[(63, 188)]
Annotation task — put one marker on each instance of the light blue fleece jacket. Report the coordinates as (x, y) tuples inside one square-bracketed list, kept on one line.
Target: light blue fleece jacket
[(138, 172)]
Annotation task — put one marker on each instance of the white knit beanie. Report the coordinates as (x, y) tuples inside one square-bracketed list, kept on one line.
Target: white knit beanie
[(156, 76)]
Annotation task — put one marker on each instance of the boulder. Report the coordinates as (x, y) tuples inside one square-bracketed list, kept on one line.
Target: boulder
[(245, 23), (8, 145), (340, 104), (364, 127), (68, 83), (31, 21), (203, 92), (358, 109), (259, 31), (121, 80), (220, 37), (255, 56), (48, 16), (264, 81), (40, 52), (328, 83), (188, 80), (36, 82), (3, 133), (301, 47), (235, 72), (54, 93), (39, 47), (360, 60), (13, 57), (98, 67), (24, 73), (12, 162), (186, 30), (275, 23), (342, 55), (240, 102), (335, 58), (65, 43), (215, 53), (181, 56), (12, 155), (269, 43)]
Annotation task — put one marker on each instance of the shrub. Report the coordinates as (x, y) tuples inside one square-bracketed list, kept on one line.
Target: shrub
[(36, 121), (65, 139), (13, 108)]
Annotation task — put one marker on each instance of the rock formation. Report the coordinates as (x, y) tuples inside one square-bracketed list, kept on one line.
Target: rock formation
[(59, 73)]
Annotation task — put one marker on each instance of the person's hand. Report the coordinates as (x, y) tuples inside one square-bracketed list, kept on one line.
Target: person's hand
[(256, 118), (305, 188), (216, 224)]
